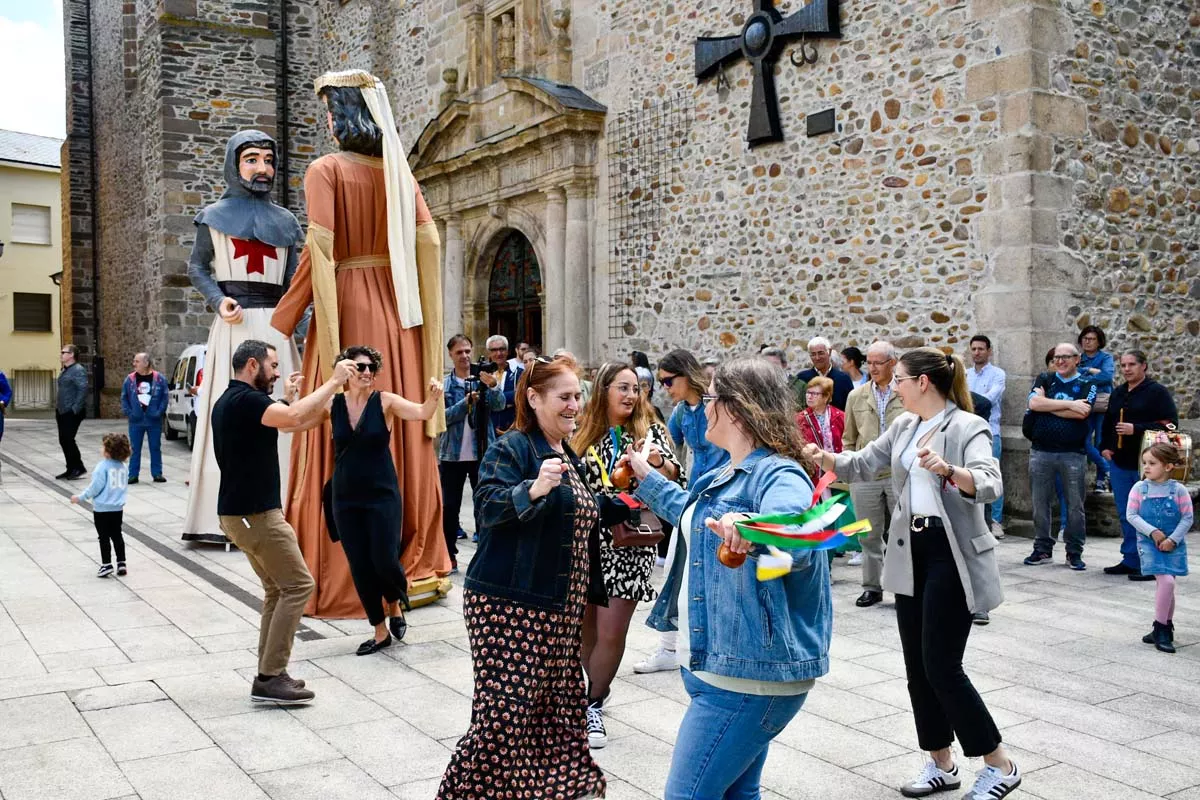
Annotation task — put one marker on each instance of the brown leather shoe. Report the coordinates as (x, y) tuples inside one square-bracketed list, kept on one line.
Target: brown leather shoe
[(281, 691)]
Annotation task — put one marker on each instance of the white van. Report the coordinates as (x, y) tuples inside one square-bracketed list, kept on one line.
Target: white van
[(182, 391)]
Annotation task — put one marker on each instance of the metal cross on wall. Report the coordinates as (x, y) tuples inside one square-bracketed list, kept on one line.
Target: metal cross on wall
[(762, 38)]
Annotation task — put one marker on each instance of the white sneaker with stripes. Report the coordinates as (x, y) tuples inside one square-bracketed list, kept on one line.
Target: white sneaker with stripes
[(931, 781), (992, 784)]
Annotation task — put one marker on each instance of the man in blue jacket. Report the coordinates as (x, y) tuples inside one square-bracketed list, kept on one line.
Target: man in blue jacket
[(144, 401)]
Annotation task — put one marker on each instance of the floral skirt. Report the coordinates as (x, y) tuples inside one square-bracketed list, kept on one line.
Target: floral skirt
[(528, 735)]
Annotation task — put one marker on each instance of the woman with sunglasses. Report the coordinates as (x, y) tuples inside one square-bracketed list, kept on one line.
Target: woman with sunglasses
[(940, 562), (753, 649), (367, 509), (616, 418)]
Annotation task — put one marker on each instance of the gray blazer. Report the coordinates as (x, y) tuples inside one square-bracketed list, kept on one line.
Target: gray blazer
[(964, 440)]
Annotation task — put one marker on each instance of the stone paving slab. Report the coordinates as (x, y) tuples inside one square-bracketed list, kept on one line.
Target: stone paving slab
[(138, 687)]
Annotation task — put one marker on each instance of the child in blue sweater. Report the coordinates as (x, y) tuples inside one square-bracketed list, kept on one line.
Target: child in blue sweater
[(107, 495)]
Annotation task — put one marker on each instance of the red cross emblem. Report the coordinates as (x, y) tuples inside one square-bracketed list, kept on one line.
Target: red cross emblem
[(255, 251)]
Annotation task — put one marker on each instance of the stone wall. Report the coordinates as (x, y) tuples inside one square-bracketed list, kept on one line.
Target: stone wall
[(1134, 215)]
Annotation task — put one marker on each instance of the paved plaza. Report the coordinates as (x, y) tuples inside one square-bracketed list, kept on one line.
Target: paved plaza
[(139, 686)]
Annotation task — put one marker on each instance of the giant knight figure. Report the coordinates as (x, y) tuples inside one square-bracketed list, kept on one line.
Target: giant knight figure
[(371, 268), (244, 256)]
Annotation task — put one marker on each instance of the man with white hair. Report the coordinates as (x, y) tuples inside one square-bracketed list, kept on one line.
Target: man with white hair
[(870, 409), (506, 379), (821, 353)]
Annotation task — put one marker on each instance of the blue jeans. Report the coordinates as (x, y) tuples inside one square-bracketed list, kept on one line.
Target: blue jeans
[(1044, 467), (1092, 446), (997, 507), (1122, 482), (152, 430), (722, 743)]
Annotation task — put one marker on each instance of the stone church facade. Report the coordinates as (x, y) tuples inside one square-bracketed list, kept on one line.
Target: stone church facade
[(1014, 167)]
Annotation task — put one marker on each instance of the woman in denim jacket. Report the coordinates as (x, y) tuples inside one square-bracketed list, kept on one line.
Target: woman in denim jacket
[(537, 566), (1097, 366), (753, 649)]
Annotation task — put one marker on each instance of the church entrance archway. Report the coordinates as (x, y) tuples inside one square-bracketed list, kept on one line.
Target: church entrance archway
[(515, 292)]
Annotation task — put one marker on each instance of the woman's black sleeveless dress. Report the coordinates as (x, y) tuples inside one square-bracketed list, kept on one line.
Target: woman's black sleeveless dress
[(366, 505)]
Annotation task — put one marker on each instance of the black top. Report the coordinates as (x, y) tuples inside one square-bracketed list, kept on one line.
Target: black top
[(363, 471), (247, 452), (1055, 434), (843, 384), (1148, 407)]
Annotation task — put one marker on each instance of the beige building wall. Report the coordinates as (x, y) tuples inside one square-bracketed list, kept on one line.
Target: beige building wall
[(29, 359)]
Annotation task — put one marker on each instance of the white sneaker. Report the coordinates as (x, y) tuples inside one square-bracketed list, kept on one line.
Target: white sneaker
[(991, 784), (932, 780), (997, 530), (855, 559), (597, 736), (660, 661)]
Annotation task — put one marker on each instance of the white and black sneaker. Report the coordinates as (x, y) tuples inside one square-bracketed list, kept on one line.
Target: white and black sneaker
[(992, 784), (597, 736), (104, 571), (932, 780)]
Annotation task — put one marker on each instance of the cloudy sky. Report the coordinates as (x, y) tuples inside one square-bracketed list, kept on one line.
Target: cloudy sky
[(32, 61)]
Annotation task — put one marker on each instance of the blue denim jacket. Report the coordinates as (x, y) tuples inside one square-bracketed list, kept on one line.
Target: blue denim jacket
[(1102, 361), (130, 406), (689, 425), (742, 628), (456, 417)]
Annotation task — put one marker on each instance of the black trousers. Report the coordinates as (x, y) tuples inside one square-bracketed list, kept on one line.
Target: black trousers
[(371, 539), (934, 624), (453, 475), (68, 426), (108, 530)]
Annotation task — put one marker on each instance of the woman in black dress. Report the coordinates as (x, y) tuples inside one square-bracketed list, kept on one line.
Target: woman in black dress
[(366, 493)]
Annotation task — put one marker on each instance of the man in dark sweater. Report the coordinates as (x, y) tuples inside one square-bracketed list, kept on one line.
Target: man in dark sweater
[(1139, 405), (1061, 403), (820, 351), (70, 409)]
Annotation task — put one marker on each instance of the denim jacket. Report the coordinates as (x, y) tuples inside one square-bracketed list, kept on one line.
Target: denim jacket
[(775, 630), (526, 546), (456, 417), (130, 406), (1102, 361)]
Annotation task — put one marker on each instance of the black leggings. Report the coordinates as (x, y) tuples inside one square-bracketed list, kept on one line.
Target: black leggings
[(370, 537), (108, 529), (934, 624)]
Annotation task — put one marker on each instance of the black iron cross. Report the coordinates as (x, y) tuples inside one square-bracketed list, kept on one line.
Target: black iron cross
[(762, 38)]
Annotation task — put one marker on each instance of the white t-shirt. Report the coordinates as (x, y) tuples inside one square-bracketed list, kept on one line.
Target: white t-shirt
[(466, 452), (923, 485)]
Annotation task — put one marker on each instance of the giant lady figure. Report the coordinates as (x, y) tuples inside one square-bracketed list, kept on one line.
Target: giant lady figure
[(371, 267)]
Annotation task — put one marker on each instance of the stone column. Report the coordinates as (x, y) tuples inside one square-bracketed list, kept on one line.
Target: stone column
[(554, 276), (453, 277), (1035, 280), (578, 274)]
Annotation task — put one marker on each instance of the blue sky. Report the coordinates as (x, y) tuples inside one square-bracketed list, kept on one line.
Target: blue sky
[(32, 59)]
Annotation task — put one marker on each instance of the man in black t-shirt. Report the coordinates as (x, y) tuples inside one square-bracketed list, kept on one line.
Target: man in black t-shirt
[(246, 422), (1061, 402)]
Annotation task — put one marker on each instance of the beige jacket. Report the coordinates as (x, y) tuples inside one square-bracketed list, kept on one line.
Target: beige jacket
[(862, 420), (964, 440)]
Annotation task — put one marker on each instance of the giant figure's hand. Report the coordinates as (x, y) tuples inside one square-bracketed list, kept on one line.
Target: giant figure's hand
[(230, 311)]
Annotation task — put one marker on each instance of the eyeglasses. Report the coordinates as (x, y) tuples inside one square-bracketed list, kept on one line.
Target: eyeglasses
[(897, 378), (667, 381), (497, 349), (815, 393), (1064, 358), (709, 398), (878, 363), (364, 367)]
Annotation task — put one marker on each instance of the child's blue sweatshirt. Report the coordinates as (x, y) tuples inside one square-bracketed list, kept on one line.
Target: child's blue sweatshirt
[(110, 479)]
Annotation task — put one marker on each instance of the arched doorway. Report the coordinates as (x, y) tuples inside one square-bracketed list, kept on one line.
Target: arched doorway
[(515, 292)]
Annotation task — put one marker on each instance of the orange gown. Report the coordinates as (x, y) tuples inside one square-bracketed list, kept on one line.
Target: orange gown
[(345, 194)]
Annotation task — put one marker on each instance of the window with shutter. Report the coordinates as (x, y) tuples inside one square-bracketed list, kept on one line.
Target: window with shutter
[(31, 312), (30, 224)]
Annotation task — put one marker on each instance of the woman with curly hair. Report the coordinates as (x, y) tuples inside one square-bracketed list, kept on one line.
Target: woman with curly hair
[(751, 649), (617, 417), (365, 493)]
